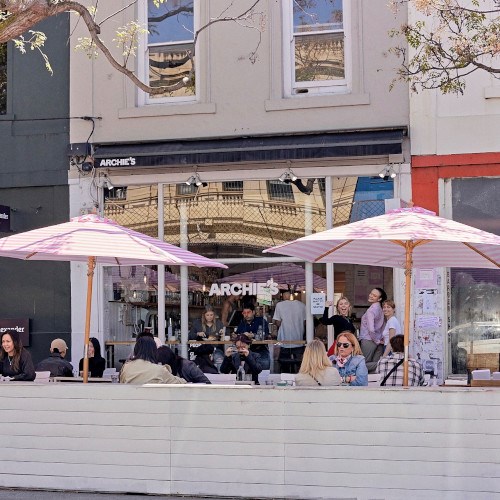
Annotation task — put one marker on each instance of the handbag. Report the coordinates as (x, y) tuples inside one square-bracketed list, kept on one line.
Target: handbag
[(394, 368)]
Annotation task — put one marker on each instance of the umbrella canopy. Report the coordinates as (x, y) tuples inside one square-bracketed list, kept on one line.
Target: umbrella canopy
[(286, 275), (97, 240), (405, 238)]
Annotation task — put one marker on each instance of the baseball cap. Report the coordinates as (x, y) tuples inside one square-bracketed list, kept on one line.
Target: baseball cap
[(58, 344)]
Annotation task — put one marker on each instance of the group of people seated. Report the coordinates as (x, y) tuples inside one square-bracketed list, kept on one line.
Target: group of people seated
[(347, 362)]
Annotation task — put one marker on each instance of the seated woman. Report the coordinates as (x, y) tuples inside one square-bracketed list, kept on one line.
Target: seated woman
[(181, 367), (15, 360), (97, 363), (349, 361), (143, 368), (205, 359), (208, 326), (242, 357), (316, 369)]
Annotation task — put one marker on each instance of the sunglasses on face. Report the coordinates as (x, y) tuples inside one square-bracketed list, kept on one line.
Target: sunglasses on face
[(345, 345)]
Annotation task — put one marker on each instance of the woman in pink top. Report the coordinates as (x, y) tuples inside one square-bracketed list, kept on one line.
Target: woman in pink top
[(371, 336)]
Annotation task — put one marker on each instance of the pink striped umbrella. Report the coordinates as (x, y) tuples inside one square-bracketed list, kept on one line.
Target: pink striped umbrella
[(97, 241), (406, 238)]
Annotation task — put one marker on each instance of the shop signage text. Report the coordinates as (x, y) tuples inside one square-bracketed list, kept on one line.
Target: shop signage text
[(21, 326), (243, 288), (118, 162), (4, 219)]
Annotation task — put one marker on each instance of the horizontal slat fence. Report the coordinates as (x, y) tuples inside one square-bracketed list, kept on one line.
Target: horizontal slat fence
[(267, 442)]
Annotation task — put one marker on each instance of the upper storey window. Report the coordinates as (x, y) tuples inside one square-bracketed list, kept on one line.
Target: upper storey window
[(3, 78), (315, 46), (171, 49)]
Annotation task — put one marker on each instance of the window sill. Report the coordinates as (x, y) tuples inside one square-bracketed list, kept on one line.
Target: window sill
[(317, 101), (492, 92), (167, 110)]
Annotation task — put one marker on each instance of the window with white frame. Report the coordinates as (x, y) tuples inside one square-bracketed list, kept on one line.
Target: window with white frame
[(315, 46), (170, 54)]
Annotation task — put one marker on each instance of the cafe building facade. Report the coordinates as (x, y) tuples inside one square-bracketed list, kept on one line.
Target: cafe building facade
[(255, 151)]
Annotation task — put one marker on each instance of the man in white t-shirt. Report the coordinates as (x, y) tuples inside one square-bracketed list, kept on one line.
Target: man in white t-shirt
[(289, 317)]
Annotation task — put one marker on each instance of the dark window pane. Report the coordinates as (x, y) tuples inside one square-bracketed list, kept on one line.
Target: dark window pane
[(232, 186), (280, 191)]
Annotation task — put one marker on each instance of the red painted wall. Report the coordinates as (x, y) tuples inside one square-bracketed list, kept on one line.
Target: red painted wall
[(427, 170)]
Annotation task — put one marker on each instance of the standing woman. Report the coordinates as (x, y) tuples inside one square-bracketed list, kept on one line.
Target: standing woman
[(340, 321), (15, 360), (349, 361), (392, 325), (316, 369), (372, 328), (97, 363)]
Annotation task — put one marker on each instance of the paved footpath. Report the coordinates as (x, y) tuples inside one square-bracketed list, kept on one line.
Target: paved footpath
[(6, 494)]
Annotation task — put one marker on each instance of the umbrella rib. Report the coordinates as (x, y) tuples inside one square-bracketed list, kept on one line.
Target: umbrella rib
[(338, 247), (468, 245)]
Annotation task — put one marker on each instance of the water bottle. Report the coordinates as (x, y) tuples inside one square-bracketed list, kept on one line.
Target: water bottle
[(169, 329), (258, 336), (240, 374)]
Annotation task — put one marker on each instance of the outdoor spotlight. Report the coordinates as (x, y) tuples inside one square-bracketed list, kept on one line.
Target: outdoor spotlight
[(108, 183), (282, 177), (293, 176), (87, 166), (393, 173), (191, 180)]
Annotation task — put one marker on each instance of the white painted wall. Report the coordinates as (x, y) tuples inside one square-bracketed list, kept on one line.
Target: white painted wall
[(455, 124), (361, 443), (238, 97)]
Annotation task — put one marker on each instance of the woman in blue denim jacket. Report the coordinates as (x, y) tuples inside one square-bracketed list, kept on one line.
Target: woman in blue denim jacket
[(349, 360)]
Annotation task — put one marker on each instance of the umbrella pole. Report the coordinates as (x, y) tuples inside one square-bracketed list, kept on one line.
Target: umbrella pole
[(408, 274), (90, 279)]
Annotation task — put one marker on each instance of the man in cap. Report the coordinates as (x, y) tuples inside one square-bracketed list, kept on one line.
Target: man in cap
[(55, 363)]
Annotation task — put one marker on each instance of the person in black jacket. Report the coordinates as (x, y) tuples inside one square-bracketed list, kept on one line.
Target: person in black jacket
[(181, 367), (55, 363), (243, 357), (15, 360), (205, 359), (97, 363)]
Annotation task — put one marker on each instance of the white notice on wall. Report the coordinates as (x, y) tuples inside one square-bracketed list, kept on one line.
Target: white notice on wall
[(427, 322), (317, 303)]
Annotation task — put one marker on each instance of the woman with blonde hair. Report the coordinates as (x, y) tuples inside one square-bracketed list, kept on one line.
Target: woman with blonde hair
[(349, 360), (316, 369), (341, 321)]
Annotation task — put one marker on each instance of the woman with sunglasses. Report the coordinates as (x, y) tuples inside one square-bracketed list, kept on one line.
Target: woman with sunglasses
[(349, 360), (316, 369)]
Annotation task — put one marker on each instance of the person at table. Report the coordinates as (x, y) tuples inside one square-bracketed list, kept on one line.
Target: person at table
[(97, 363), (243, 356), (206, 327), (372, 328), (290, 318), (143, 368), (391, 367), (55, 363), (341, 321), (205, 358), (392, 326), (316, 369), (15, 360), (349, 361), (180, 367), (251, 325)]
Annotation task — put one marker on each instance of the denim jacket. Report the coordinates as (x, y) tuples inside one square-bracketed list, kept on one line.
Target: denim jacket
[(354, 366)]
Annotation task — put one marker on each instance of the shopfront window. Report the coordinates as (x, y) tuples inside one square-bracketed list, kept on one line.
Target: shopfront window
[(171, 48), (475, 293)]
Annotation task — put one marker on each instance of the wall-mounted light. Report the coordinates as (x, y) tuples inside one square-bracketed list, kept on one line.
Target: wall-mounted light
[(287, 176), (388, 173), (107, 182), (195, 179)]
